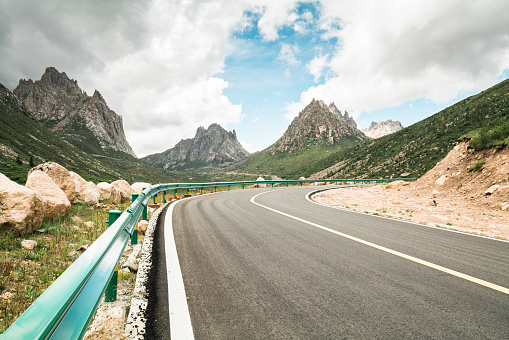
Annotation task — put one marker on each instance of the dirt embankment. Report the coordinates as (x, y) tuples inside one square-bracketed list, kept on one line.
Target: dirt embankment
[(451, 195)]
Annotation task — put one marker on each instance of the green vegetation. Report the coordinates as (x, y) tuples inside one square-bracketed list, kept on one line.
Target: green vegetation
[(417, 148), (478, 165), (25, 143), (292, 165), (25, 274), (489, 137)]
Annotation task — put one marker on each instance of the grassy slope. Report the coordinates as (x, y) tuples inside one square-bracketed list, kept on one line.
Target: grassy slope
[(25, 138), (292, 165), (417, 148)]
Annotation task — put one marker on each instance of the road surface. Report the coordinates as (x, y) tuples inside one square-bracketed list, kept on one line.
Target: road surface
[(270, 264)]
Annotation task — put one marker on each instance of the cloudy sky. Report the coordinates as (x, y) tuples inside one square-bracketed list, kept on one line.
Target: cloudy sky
[(169, 67)]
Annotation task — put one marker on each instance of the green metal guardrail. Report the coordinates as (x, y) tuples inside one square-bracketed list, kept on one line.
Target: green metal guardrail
[(66, 307)]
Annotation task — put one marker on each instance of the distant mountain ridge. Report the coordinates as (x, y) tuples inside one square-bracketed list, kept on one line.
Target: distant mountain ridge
[(213, 146), (377, 130), (57, 102), (317, 122)]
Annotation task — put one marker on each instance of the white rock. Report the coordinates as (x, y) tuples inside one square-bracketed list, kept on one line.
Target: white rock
[(60, 175), (441, 180), (86, 192), (29, 244), (492, 189), (58, 203), (138, 187), (21, 209), (121, 191), (104, 190), (142, 226), (395, 185)]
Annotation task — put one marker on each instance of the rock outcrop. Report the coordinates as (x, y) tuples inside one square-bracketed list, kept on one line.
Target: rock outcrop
[(317, 122), (104, 190), (121, 191), (60, 175), (212, 146), (21, 210), (57, 102), (58, 203), (377, 130), (138, 187), (86, 192)]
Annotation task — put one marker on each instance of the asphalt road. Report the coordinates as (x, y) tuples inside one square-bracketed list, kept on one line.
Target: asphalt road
[(277, 266)]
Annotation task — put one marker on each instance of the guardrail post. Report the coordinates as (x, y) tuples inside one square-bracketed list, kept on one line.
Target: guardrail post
[(110, 294), (144, 213), (155, 199), (228, 188), (134, 236), (175, 193), (242, 185), (215, 189), (187, 193), (164, 197)]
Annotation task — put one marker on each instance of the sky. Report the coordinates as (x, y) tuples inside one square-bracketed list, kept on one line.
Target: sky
[(169, 67)]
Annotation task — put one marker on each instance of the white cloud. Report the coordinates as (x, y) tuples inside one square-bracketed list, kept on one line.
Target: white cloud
[(287, 54), (394, 51), (317, 65)]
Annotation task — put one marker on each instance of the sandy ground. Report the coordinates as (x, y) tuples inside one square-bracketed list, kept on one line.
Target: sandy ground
[(449, 212)]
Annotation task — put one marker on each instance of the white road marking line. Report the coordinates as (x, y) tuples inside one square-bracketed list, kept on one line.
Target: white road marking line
[(180, 320), (390, 251)]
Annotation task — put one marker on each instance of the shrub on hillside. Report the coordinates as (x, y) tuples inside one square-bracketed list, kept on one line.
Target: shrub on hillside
[(487, 138)]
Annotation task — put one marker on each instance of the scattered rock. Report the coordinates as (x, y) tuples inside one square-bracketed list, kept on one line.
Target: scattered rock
[(405, 174), (89, 224), (121, 191), (432, 203), (142, 226), (21, 209), (492, 189), (504, 206), (104, 190), (132, 264), (77, 220), (441, 180), (86, 192), (138, 187), (435, 194), (58, 203), (29, 244), (396, 185), (83, 247), (60, 175), (6, 295)]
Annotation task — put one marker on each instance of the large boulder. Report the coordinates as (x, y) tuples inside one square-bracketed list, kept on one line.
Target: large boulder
[(86, 192), (396, 185), (138, 187), (121, 191), (104, 190), (21, 210), (60, 175), (58, 203)]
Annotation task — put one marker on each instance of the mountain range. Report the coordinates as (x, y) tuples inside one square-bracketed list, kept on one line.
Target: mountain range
[(52, 119), (209, 147), (58, 103)]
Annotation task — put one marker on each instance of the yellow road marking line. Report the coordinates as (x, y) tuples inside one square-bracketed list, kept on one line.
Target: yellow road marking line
[(390, 251)]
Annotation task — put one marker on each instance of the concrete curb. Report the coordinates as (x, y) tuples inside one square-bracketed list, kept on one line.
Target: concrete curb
[(135, 324)]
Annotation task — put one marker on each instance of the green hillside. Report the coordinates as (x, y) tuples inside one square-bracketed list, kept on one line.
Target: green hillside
[(417, 148), (292, 164), (25, 143)]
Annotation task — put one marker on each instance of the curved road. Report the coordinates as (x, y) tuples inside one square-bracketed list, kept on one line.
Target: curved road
[(269, 264)]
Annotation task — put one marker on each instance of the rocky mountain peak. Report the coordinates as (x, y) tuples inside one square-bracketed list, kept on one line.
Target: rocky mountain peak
[(212, 146), (316, 122), (377, 130), (57, 102)]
